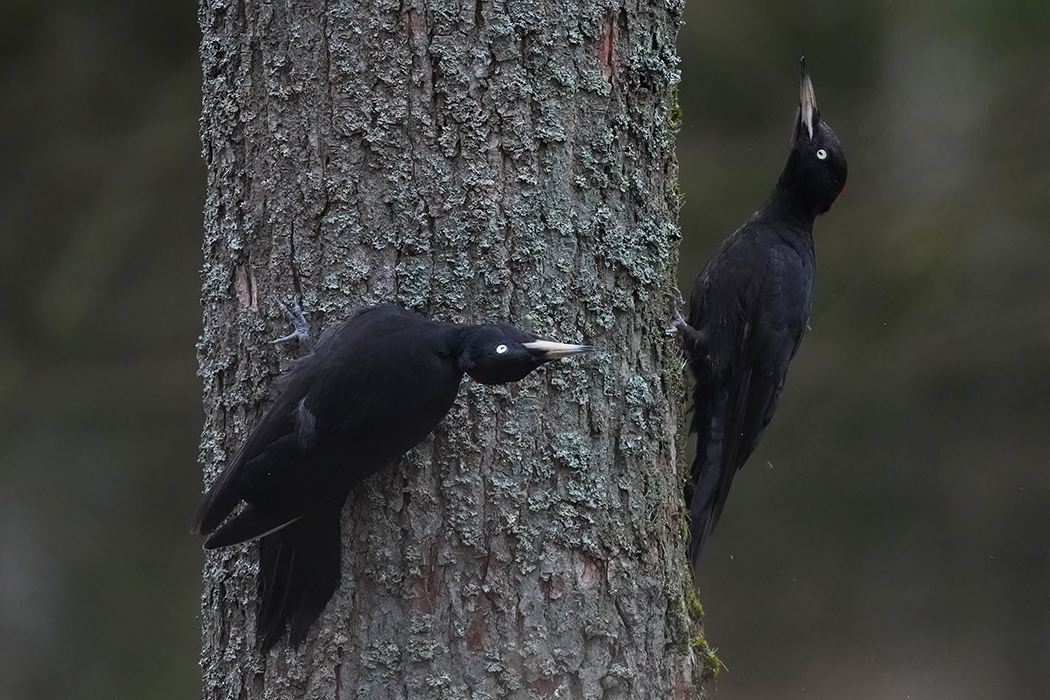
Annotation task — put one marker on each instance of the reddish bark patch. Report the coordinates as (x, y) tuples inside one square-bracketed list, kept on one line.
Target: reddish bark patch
[(606, 54), (423, 590), (477, 634), (244, 287), (544, 686), (553, 586), (591, 571)]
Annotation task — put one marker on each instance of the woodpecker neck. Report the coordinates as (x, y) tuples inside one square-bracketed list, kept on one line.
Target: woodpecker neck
[(456, 337), (788, 205), (460, 339)]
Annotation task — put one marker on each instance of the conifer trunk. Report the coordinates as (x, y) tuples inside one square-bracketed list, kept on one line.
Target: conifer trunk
[(474, 161)]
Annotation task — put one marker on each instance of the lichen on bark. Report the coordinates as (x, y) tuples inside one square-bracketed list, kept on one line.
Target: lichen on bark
[(474, 161)]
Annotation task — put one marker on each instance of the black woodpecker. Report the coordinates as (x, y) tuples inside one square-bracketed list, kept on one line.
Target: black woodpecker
[(748, 312), (372, 389)]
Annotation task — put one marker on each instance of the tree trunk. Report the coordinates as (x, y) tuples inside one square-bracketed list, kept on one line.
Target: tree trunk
[(476, 162)]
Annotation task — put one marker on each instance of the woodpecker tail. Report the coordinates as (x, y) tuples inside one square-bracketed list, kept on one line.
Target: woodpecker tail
[(299, 571), (249, 524), (704, 504), (218, 503), (713, 466)]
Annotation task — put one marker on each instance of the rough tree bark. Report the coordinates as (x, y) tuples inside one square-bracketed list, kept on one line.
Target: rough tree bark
[(474, 161)]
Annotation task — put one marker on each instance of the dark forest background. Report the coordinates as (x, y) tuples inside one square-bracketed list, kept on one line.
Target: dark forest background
[(887, 540)]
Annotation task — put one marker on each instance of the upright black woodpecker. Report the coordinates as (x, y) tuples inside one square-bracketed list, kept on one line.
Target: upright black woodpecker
[(748, 311), (373, 388)]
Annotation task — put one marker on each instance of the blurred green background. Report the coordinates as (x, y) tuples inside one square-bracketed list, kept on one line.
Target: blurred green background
[(887, 540)]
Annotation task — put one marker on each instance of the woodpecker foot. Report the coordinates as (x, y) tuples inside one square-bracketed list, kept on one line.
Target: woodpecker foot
[(678, 325), (299, 323)]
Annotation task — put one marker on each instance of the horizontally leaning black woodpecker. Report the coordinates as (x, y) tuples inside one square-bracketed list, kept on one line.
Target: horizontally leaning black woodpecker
[(748, 312), (372, 389)]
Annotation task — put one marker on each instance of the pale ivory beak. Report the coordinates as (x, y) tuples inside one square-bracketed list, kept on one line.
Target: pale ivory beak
[(552, 351), (807, 100)]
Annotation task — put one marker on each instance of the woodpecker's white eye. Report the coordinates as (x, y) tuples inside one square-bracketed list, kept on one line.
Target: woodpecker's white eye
[(500, 349), (821, 154)]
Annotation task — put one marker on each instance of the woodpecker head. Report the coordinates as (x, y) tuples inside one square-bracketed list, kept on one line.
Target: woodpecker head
[(496, 353), (815, 173)]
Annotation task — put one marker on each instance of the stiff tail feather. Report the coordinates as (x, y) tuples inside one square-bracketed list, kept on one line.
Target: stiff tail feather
[(716, 460), (705, 506), (299, 571), (218, 503)]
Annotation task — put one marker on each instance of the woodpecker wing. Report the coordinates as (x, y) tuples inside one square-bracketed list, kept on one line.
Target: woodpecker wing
[(352, 406)]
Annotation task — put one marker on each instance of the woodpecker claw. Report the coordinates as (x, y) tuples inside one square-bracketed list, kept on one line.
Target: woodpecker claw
[(679, 321), (301, 326)]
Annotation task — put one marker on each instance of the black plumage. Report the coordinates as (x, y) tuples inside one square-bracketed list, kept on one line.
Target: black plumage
[(748, 311), (374, 387)]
